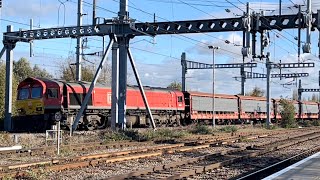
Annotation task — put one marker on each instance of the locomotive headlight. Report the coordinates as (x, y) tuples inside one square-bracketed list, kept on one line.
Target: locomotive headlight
[(57, 116)]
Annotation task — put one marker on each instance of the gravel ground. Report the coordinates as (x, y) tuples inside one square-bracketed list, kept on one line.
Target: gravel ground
[(257, 162), (103, 171)]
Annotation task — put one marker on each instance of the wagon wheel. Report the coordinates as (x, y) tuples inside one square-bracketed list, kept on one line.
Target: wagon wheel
[(102, 124)]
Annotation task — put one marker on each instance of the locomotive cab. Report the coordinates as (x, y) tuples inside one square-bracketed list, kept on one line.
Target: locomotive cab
[(30, 98)]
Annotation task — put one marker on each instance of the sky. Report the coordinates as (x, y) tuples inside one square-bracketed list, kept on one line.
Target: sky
[(158, 59)]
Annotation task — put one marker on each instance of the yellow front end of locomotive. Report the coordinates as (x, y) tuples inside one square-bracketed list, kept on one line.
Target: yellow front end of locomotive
[(29, 107)]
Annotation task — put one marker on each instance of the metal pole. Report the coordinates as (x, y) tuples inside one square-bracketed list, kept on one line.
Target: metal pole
[(184, 71), (115, 86), (248, 33), (122, 82), (254, 41), (79, 44), (213, 109), (280, 5), (95, 79), (58, 138), (213, 67), (261, 39), (31, 42), (268, 90), (242, 67), (307, 46), (94, 12), (123, 60), (243, 77), (299, 33), (135, 71), (9, 75), (299, 100), (309, 20), (318, 26)]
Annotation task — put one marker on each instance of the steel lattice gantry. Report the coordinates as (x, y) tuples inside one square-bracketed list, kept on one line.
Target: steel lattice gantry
[(186, 64), (132, 29), (252, 75), (124, 29)]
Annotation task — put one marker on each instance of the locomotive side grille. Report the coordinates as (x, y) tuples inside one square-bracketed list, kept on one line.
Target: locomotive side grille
[(77, 98)]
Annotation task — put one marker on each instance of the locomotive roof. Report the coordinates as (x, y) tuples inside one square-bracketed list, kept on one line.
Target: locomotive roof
[(99, 85)]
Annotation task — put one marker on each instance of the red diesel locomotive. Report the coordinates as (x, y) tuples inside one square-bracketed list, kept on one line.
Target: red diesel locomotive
[(41, 102)]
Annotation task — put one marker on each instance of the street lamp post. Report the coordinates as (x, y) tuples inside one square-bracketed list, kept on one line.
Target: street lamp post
[(213, 66)]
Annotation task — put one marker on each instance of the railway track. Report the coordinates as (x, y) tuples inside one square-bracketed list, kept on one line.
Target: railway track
[(264, 172), (19, 170), (189, 144), (51, 150), (198, 165)]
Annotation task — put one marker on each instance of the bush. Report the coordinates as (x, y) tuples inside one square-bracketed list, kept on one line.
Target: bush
[(316, 123), (306, 123), (287, 113), (229, 129), (271, 126), (150, 135), (201, 129), (115, 136), (164, 134)]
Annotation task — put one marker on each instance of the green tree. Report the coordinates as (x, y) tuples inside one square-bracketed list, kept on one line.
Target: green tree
[(68, 72), (256, 92), (23, 69), (2, 91), (175, 85), (39, 72), (287, 113)]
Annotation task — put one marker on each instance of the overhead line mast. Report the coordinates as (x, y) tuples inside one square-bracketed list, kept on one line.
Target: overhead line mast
[(79, 44)]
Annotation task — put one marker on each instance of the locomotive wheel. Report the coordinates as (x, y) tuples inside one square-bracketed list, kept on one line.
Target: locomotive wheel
[(103, 123), (90, 127)]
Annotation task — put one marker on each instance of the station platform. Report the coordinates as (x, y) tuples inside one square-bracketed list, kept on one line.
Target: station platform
[(308, 168)]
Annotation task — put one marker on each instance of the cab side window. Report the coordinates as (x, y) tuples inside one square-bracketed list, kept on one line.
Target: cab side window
[(52, 93), (179, 98)]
